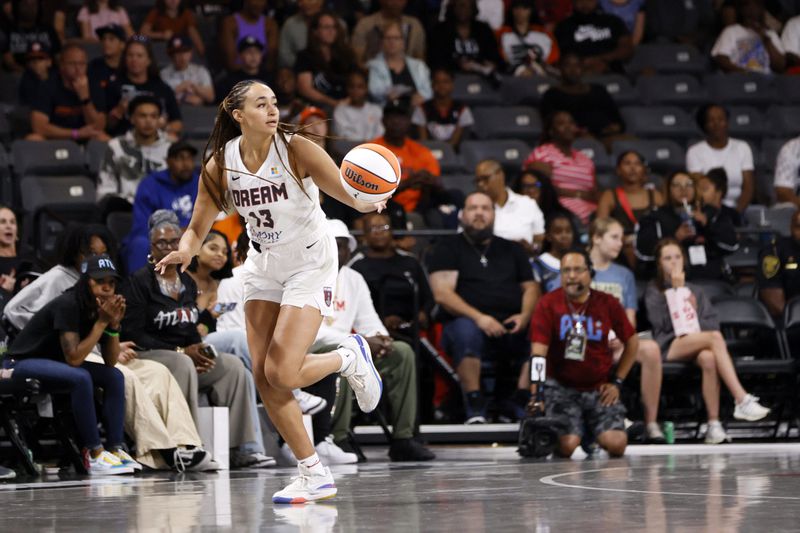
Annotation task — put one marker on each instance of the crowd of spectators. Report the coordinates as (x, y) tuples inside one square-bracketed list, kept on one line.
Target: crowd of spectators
[(387, 74)]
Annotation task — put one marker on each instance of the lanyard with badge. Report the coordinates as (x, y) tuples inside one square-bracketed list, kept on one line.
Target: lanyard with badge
[(576, 336)]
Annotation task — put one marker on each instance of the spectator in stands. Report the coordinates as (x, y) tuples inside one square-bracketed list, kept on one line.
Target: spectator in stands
[(170, 18), (191, 82), (712, 188), (162, 320), (367, 34), (356, 119), (706, 347), (528, 49), (294, 32), (593, 109), (631, 201), (213, 263), (516, 217), (463, 43), (139, 76), (631, 12), (571, 171), (173, 188), (98, 13), (397, 282), (132, 156), (605, 245), (559, 237), (601, 40), (251, 65), (28, 25), (790, 39), (442, 118), (66, 106), (10, 260), (787, 173), (572, 328), (394, 75), (323, 66), (103, 71), (551, 12), (486, 292), (779, 273), (706, 233), (537, 186), (53, 348), (394, 359), (720, 150), (250, 21), (290, 105), (38, 70), (749, 46)]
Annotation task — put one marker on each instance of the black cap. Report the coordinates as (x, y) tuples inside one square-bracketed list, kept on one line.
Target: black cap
[(179, 43), (180, 146), (37, 49), (249, 42), (99, 267), (114, 29), (398, 106)]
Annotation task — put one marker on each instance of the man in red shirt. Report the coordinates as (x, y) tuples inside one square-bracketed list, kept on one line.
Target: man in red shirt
[(570, 327)]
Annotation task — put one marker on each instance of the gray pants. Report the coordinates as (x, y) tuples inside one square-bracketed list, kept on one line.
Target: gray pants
[(226, 385)]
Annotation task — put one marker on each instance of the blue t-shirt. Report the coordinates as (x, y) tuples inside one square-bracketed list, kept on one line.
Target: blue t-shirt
[(547, 272), (617, 281), (627, 11)]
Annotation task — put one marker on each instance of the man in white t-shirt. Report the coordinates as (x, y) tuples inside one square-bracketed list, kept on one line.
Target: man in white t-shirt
[(749, 46), (191, 82), (791, 41), (787, 173), (516, 217)]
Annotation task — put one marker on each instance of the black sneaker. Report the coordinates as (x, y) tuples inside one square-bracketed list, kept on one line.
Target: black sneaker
[(409, 450)]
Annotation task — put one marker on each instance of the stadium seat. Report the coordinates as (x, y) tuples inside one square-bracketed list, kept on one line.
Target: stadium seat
[(606, 180), (6, 185), (672, 89), (119, 224), (509, 152), (474, 90), (659, 122), (741, 88), (595, 151), (788, 89), (95, 153), (756, 215), (460, 182), (525, 91), (511, 122), (199, 145), (9, 87), (668, 58), (662, 155), (47, 158), (785, 120), (160, 53), (747, 122), (198, 121), (745, 258), (449, 162), (791, 328), (714, 289), (769, 152), (618, 87), (780, 218)]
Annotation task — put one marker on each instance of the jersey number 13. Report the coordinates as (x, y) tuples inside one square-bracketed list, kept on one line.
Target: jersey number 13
[(263, 219)]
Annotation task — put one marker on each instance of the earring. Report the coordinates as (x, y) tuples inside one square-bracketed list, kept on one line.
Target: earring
[(150, 259)]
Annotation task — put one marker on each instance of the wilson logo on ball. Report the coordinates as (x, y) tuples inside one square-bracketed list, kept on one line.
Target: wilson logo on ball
[(358, 179)]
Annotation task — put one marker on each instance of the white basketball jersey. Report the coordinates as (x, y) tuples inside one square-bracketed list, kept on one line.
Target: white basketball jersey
[(277, 211)]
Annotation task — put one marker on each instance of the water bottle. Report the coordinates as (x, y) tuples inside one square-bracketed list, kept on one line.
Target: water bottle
[(669, 432), (686, 216)]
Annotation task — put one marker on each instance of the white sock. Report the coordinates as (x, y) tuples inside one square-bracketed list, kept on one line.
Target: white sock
[(347, 358), (313, 464)]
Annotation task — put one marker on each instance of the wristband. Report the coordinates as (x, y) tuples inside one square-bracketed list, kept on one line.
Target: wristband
[(618, 381), (180, 349), (74, 135), (111, 332)]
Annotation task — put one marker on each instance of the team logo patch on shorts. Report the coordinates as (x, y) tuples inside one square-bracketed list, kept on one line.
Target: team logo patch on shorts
[(328, 294)]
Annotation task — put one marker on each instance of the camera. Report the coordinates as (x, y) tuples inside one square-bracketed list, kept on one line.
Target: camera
[(208, 351), (538, 436)]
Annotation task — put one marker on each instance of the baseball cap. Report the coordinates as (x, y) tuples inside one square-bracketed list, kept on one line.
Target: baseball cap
[(249, 42), (180, 146), (115, 29), (99, 267), (339, 229), (179, 43), (37, 49), (398, 106)]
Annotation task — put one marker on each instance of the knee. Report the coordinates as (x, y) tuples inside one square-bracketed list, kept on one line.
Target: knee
[(115, 379), (567, 445), (81, 379), (717, 339), (650, 354), (279, 378), (403, 354), (614, 442), (706, 361)]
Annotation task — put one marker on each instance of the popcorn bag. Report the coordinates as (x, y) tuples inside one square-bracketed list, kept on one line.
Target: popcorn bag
[(682, 312)]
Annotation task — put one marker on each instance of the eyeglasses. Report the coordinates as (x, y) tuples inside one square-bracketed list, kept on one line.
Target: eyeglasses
[(527, 186), (138, 38), (164, 244), (484, 177), (379, 229), (675, 185), (574, 270)]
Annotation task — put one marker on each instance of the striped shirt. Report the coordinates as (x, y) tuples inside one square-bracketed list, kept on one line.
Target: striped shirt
[(574, 173)]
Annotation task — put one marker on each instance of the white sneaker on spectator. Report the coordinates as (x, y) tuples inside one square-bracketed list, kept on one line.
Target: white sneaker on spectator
[(7, 473), (307, 487), (203, 461), (749, 409), (251, 460), (105, 464), (715, 434), (361, 373), (126, 460), (309, 403), (330, 453)]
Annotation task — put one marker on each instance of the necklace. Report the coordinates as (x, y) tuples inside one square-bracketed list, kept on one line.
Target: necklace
[(169, 287), (481, 254)]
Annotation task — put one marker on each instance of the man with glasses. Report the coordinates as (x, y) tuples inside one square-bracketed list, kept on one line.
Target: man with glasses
[(173, 188), (516, 217), (570, 328), (66, 106)]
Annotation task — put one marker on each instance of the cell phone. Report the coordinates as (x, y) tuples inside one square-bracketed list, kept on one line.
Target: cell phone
[(220, 308), (208, 351), (128, 92)]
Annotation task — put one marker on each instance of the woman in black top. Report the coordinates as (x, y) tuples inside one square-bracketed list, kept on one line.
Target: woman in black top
[(463, 43), (53, 347)]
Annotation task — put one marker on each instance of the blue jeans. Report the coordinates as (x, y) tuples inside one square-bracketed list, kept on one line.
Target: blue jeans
[(80, 382)]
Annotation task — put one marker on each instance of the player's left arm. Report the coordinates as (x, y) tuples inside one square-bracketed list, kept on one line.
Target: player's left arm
[(309, 159)]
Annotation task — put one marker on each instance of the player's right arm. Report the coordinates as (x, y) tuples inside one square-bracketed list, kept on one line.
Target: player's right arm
[(203, 216)]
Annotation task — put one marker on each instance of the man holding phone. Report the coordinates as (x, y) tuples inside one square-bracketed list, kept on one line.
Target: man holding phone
[(485, 288)]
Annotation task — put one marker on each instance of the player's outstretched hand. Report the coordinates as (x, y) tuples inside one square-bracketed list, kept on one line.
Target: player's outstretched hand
[(366, 207), (174, 258)]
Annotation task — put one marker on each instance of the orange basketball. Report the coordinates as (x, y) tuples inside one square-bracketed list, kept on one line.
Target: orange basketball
[(370, 172)]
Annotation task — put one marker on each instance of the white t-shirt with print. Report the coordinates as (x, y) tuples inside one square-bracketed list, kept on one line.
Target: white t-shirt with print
[(787, 167), (745, 49), (735, 158), (790, 39)]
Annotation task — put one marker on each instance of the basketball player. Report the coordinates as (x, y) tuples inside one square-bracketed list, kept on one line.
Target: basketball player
[(272, 178)]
